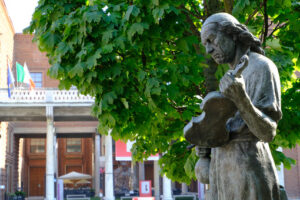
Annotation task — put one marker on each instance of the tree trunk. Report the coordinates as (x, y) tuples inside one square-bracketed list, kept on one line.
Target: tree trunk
[(228, 5), (211, 83)]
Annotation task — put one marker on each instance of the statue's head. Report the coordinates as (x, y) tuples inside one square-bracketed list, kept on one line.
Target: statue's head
[(221, 34)]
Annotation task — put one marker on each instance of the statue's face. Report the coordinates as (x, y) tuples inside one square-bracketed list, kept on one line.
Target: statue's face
[(218, 44)]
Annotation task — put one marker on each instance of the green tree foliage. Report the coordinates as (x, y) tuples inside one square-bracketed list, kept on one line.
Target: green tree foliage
[(143, 63)]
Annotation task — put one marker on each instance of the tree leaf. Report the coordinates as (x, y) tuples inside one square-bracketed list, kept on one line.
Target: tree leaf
[(76, 70), (132, 10), (92, 60), (189, 165), (141, 75), (108, 48), (136, 28), (125, 102), (107, 35), (92, 16)]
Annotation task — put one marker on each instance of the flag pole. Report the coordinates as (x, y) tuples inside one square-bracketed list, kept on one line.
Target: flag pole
[(17, 75), (18, 85), (10, 64)]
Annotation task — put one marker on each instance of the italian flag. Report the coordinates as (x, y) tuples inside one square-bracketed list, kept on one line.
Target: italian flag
[(20, 72), (23, 75)]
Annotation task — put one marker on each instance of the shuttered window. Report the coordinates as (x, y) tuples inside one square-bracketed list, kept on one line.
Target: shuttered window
[(37, 145), (73, 145)]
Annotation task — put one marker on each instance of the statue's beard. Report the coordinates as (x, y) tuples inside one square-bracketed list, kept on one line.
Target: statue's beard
[(222, 59), (224, 56), (219, 58)]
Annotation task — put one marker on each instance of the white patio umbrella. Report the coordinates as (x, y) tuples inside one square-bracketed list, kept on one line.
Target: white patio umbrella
[(83, 181), (67, 181), (75, 176)]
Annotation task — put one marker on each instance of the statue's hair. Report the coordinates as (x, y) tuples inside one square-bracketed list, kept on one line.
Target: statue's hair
[(242, 34), (230, 25)]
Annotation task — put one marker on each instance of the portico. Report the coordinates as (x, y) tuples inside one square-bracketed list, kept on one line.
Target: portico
[(43, 113)]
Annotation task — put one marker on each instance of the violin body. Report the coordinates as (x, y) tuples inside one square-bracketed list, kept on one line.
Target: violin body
[(209, 129)]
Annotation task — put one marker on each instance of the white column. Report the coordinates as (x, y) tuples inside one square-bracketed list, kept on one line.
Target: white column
[(167, 188), (280, 172), (184, 188), (141, 171), (109, 177), (133, 178), (97, 164), (201, 191), (20, 158), (55, 153), (50, 163), (156, 180)]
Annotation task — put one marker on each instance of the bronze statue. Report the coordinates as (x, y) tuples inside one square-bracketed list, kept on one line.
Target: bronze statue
[(232, 134)]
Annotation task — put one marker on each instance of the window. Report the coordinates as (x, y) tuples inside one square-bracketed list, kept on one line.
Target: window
[(37, 145), (37, 78), (73, 145)]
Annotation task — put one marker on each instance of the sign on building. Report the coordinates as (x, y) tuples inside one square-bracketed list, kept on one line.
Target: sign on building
[(123, 152), (145, 188)]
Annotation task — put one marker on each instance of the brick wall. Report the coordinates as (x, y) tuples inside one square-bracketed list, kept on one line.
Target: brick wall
[(291, 177), (6, 44), (9, 150), (27, 51), (3, 142), (6, 57)]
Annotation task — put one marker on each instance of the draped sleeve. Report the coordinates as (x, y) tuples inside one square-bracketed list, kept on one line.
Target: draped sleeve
[(263, 88)]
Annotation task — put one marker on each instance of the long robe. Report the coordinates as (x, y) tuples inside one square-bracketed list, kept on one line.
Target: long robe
[(243, 168)]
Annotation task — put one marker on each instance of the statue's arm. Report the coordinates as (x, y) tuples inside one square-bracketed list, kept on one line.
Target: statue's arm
[(259, 123)]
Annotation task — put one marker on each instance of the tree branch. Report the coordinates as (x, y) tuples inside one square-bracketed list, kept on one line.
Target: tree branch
[(144, 59), (193, 28), (254, 13), (179, 109), (184, 9), (266, 23), (197, 11), (251, 16), (278, 26)]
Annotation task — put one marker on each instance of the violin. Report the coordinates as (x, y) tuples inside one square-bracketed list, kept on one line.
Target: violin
[(209, 129)]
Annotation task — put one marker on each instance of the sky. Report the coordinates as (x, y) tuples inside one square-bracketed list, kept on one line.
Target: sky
[(20, 12)]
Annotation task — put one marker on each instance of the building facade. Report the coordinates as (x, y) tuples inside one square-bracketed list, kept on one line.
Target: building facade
[(7, 153), (75, 150)]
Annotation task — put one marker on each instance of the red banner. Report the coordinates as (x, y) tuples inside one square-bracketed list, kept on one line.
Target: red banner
[(123, 151)]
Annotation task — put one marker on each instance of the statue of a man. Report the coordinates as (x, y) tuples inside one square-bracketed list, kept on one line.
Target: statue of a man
[(243, 167)]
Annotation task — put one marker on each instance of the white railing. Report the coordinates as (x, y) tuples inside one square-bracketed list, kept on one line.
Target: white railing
[(43, 95)]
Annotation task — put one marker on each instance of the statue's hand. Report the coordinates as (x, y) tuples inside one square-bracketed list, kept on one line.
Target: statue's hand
[(202, 170), (201, 152), (232, 87), (202, 165)]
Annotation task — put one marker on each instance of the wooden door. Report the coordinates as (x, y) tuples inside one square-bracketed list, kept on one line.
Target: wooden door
[(37, 181), (73, 168), (149, 172)]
